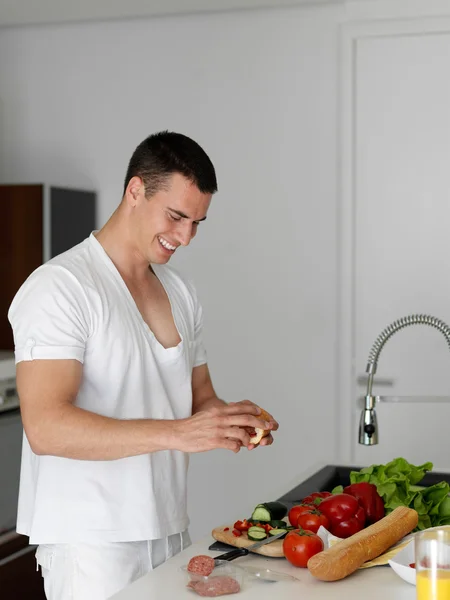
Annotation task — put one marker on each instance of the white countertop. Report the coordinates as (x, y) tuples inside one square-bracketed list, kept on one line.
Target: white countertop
[(167, 582)]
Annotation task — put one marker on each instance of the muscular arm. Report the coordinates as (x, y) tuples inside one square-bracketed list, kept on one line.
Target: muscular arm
[(55, 426)]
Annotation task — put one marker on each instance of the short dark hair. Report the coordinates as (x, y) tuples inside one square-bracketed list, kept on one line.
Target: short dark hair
[(164, 153)]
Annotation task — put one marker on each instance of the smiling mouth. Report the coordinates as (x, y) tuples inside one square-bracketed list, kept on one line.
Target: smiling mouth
[(165, 244)]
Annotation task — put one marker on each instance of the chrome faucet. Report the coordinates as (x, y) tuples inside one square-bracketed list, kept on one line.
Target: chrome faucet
[(368, 427)]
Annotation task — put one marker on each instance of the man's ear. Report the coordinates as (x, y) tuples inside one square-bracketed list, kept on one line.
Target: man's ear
[(135, 190)]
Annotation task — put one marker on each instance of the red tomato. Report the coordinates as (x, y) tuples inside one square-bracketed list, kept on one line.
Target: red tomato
[(312, 520), (316, 498), (299, 545), (296, 511)]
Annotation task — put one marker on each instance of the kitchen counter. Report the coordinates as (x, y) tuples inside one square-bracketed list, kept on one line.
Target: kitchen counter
[(167, 582)]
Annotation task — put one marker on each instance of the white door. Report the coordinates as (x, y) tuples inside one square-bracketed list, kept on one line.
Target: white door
[(397, 176)]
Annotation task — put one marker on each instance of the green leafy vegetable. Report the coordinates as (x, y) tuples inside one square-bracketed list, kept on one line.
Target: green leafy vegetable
[(397, 482)]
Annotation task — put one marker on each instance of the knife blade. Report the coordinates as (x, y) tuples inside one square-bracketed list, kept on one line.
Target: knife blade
[(232, 554)]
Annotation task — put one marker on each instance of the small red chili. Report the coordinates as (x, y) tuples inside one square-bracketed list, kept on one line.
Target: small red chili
[(227, 529)]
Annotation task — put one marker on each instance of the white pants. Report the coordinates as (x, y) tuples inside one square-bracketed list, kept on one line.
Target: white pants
[(98, 571)]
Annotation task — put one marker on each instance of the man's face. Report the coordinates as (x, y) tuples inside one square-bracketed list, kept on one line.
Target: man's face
[(168, 219)]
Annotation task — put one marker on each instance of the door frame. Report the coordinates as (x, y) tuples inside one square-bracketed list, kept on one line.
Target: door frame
[(350, 36)]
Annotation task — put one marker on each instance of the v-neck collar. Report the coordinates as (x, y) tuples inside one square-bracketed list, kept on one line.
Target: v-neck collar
[(158, 272)]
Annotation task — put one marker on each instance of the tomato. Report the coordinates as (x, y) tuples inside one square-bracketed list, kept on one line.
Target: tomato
[(312, 520), (296, 511), (316, 498), (299, 545)]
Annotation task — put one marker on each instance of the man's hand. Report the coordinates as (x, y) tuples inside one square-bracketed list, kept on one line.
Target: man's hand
[(219, 427), (273, 426)]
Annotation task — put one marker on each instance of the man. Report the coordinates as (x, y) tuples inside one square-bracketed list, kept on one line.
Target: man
[(114, 386)]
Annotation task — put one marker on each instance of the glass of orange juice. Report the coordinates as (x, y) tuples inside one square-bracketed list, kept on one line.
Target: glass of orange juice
[(432, 556)]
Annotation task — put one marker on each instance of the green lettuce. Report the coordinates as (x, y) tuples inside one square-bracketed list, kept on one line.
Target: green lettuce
[(396, 483)]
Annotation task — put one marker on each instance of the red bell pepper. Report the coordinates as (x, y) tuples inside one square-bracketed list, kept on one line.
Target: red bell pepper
[(369, 498), (243, 525), (345, 514)]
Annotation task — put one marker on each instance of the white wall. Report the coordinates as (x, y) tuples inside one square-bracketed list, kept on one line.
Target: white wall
[(24, 12), (258, 91)]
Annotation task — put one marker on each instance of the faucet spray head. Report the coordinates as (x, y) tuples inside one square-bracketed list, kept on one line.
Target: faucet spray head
[(368, 426)]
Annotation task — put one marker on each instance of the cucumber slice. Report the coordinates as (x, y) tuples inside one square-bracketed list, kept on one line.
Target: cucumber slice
[(279, 524), (269, 511), (277, 531), (261, 514), (256, 534)]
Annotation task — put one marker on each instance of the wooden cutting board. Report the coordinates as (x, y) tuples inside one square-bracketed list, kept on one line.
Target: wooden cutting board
[(274, 549)]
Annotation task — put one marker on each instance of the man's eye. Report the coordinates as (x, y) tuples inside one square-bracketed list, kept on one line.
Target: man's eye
[(174, 218)]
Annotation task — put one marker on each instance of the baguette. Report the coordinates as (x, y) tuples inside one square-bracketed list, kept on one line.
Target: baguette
[(348, 555), (258, 434)]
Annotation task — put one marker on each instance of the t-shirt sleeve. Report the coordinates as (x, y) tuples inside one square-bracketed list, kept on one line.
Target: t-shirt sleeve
[(200, 357), (49, 316)]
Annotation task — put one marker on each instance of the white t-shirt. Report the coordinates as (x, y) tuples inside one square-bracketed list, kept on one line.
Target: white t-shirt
[(78, 306)]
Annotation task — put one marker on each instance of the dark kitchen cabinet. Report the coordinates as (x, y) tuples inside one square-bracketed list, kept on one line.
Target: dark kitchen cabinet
[(19, 579), (39, 221)]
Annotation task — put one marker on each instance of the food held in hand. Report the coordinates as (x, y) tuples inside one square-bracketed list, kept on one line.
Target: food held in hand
[(345, 557), (201, 565), (256, 434), (215, 586), (345, 514), (300, 545)]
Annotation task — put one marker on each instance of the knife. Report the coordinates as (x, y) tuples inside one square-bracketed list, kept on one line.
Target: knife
[(236, 552)]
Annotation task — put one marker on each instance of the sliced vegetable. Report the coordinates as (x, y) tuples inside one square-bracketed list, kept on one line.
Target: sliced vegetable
[(242, 525), (256, 533), (269, 511), (279, 523), (277, 531)]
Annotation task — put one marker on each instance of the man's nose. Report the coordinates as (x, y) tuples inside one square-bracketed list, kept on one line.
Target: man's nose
[(184, 234)]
